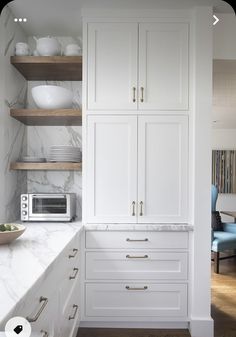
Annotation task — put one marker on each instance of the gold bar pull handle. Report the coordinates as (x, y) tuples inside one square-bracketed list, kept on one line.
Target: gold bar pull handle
[(142, 94), (137, 257), (72, 277), (133, 208), (141, 208), (43, 301), (134, 94), (134, 240), (141, 288), (75, 307)]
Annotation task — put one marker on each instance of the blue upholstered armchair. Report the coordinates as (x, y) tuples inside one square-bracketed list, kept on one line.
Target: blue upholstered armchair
[(224, 239)]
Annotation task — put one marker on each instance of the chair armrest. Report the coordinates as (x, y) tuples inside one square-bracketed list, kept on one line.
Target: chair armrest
[(229, 227)]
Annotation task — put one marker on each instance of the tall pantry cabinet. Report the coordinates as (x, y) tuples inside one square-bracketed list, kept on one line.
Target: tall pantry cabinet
[(137, 133), (138, 100)]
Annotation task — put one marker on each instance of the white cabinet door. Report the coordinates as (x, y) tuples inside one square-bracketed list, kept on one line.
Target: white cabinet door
[(162, 168), (111, 169), (163, 66), (112, 66)]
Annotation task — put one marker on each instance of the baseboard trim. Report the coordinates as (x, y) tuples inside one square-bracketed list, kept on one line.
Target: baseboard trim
[(200, 327), (138, 325)]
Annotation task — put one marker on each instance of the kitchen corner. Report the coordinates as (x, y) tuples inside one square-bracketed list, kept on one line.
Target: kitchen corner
[(27, 262)]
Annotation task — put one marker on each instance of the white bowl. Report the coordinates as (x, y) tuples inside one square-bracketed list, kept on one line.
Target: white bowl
[(48, 46), (7, 237), (52, 97)]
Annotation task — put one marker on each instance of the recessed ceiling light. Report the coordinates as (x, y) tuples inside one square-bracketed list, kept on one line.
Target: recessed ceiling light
[(25, 20), (20, 20)]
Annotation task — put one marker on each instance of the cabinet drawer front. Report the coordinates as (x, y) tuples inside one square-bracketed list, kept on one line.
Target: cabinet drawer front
[(160, 300), (137, 240), (136, 265)]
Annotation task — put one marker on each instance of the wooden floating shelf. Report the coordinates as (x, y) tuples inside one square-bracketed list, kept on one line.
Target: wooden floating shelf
[(41, 117), (46, 166), (49, 68)]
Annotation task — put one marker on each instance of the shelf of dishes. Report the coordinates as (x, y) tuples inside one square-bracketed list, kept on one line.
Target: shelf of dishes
[(50, 68), (42, 117), (58, 166), (60, 157)]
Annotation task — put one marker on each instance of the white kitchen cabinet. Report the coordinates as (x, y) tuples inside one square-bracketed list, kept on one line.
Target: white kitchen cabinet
[(162, 168), (112, 65), (137, 169), (136, 300), (137, 66), (140, 265), (136, 275), (111, 168), (163, 66)]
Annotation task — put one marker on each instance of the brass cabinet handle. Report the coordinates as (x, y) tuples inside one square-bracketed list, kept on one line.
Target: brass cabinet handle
[(141, 240), (142, 94), (75, 251), (75, 312), (44, 333), (44, 302), (136, 257), (76, 270), (141, 288), (133, 207), (134, 94), (141, 208)]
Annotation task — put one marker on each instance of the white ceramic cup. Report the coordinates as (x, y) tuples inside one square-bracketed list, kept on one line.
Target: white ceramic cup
[(22, 49)]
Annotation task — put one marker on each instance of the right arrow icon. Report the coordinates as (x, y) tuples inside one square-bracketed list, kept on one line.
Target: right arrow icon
[(216, 20)]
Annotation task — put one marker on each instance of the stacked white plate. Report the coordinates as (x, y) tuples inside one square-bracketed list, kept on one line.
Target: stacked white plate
[(31, 159), (64, 153)]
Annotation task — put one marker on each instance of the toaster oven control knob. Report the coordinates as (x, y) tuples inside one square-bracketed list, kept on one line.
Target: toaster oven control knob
[(24, 213), (24, 198), (24, 205)]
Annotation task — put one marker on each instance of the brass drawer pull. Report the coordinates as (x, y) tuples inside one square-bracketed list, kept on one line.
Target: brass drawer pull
[(130, 288), (75, 312), (76, 270), (44, 302), (44, 333), (142, 240), (133, 206), (75, 251), (137, 257), (141, 208), (134, 94), (142, 94)]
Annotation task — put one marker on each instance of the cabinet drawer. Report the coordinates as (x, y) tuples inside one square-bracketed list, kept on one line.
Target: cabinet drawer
[(117, 300), (136, 240), (136, 265)]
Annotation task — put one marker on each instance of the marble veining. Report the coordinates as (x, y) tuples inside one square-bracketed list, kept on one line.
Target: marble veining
[(140, 227), (13, 94), (29, 258)]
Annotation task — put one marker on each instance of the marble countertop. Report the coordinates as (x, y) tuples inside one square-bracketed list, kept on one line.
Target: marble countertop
[(26, 259), (140, 227)]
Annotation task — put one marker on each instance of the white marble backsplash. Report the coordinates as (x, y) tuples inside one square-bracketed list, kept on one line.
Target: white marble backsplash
[(39, 140), (13, 94)]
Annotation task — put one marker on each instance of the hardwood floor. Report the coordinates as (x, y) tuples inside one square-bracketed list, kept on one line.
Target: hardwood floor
[(223, 310)]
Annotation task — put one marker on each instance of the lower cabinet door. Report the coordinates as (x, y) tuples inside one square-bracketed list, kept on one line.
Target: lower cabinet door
[(136, 299)]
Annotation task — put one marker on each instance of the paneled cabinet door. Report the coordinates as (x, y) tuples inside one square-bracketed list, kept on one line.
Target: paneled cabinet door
[(163, 66), (112, 66), (111, 169), (162, 168)]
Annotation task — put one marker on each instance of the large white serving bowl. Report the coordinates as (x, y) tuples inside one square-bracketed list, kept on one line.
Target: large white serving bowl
[(52, 97), (7, 237)]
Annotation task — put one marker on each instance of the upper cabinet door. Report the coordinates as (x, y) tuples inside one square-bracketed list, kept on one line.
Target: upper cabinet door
[(162, 169), (112, 66), (111, 169), (163, 66)]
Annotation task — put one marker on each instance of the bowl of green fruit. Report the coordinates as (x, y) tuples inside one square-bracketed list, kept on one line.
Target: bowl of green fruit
[(10, 232)]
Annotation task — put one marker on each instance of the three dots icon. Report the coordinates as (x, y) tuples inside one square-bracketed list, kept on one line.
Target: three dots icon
[(20, 20)]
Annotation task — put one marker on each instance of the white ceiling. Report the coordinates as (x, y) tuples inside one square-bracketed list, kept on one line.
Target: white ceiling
[(63, 17)]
